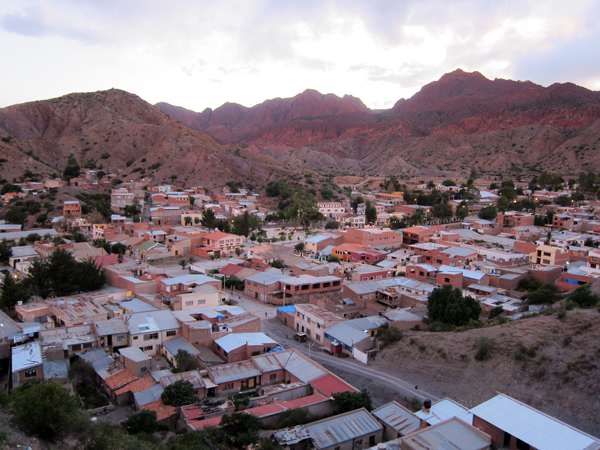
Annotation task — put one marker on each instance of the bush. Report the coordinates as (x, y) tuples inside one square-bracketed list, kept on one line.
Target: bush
[(143, 422), (567, 341), (180, 393), (349, 401), (45, 410), (540, 372), (389, 335), (583, 297), (293, 417), (484, 348), (448, 305)]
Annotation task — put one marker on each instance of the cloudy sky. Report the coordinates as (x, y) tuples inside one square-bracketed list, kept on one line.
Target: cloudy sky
[(200, 53)]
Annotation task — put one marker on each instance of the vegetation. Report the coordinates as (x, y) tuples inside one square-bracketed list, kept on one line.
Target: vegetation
[(582, 297), (245, 224), (45, 409), (388, 335), (488, 213), (293, 417), (180, 393), (370, 213), (185, 361), (447, 305), (483, 348), (349, 401)]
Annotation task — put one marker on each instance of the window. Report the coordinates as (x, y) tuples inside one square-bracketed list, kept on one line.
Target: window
[(31, 373), (371, 441), (135, 338), (171, 333), (318, 336), (190, 303), (150, 336), (358, 443), (147, 349), (76, 347), (87, 345), (256, 353), (143, 369), (122, 338), (228, 386), (202, 302)]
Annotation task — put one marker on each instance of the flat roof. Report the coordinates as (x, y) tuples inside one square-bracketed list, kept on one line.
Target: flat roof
[(443, 410), (134, 354), (26, 356), (450, 434), (236, 340)]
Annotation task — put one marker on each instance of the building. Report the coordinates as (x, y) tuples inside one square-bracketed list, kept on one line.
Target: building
[(261, 285), (121, 197), (150, 330), (397, 421), (71, 208), (331, 209), (416, 235), (451, 434), (225, 242), (26, 364), (171, 348), (236, 347), (306, 288), (516, 425), (374, 237), (312, 320), (315, 244), (513, 219), (546, 255)]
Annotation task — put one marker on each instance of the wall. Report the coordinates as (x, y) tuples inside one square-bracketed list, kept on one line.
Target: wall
[(496, 434)]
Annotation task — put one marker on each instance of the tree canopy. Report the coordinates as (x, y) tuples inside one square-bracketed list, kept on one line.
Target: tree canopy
[(488, 213), (448, 305), (349, 401), (370, 213), (245, 224), (180, 393)]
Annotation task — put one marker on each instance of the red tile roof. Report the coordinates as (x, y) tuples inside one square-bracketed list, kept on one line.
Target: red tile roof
[(231, 269), (304, 401), (330, 384), (120, 379), (266, 410), (162, 411), (137, 386), (217, 235), (107, 260)]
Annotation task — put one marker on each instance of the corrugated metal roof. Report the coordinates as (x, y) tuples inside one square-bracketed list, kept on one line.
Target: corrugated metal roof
[(135, 305), (401, 315), (303, 369), (267, 277), (308, 279), (397, 417), (342, 428), (158, 374), (237, 340), (188, 280), (180, 344), (449, 435), (346, 334), (232, 372), (443, 410), (110, 327), (532, 426), (149, 395), (367, 323), (193, 376)]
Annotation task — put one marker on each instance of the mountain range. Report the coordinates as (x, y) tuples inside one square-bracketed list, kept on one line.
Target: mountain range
[(460, 121)]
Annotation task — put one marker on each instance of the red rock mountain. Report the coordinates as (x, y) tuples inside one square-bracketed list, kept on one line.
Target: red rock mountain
[(114, 131), (450, 124)]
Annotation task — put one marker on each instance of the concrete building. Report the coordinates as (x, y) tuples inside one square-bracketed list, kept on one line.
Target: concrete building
[(150, 330), (313, 321), (453, 433), (236, 347), (26, 364)]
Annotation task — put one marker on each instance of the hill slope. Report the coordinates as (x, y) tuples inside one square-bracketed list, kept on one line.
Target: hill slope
[(443, 363), (114, 131), (461, 120)]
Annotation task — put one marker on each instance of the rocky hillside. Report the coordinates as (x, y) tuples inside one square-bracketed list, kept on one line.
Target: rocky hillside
[(461, 120), (115, 131)]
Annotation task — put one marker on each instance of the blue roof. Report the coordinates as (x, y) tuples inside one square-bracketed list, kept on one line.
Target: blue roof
[(316, 239), (288, 309)]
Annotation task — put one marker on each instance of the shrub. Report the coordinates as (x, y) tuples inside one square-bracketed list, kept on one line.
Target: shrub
[(567, 341), (484, 348), (540, 372), (561, 313), (583, 297)]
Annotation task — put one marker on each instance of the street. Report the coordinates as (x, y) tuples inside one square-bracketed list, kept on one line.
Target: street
[(382, 386)]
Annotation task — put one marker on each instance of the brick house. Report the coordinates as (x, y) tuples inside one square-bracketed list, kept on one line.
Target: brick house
[(71, 208), (225, 242)]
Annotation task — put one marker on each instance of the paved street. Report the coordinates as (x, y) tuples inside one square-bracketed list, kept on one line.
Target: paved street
[(382, 386)]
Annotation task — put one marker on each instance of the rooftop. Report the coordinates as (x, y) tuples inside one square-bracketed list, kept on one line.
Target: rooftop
[(26, 356), (399, 418), (233, 341), (342, 428), (451, 434)]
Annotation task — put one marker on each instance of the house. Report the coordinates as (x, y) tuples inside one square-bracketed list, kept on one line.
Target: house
[(63, 343), (121, 197), (26, 363), (353, 430), (397, 421), (546, 255), (22, 257), (312, 320), (350, 220), (349, 337), (71, 208), (261, 285), (8, 327), (315, 244), (225, 242), (416, 235), (150, 330), (514, 219), (443, 410), (185, 284), (373, 237), (171, 348), (451, 434), (135, 360), (516, 425), (306, 288), (331, 209), (363, 272), (236, 347), (205, 295), (192, 376), (111, 333)]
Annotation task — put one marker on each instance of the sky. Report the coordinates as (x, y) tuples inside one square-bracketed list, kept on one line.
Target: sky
[(199, 53)]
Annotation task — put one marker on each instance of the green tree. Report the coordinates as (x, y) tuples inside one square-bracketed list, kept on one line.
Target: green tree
[(241, 428), (72, 169), (462, 210), (442, 210), (38, 278), (355, 202), (102, 243), (180, 393), (333, 259), (141, 422), (293, 417), (370, 213), (303, 208), (473, 175), (46, 410), (63, 272), (16, 215), (299, 247), (132, 210), (106, 436), (188, 220), (245, 224), (503, 203), (5, 251), (332, 225), (349, 401), (488, 213), (208, 219), (388, 335), (13, 291), (583, 297), (10, 188), (223, 226), (90, 276), (447, 305), (118, 248)]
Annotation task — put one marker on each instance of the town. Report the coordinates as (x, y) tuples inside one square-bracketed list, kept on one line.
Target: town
[(203, 308)]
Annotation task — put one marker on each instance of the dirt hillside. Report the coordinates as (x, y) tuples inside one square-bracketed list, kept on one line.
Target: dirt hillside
[(547, 362)]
